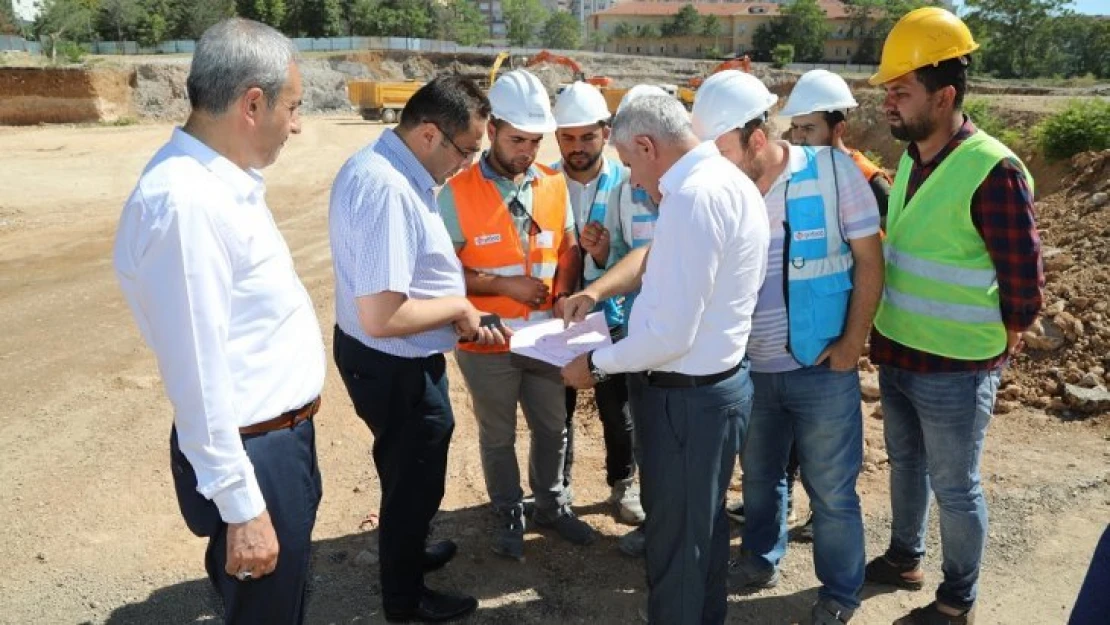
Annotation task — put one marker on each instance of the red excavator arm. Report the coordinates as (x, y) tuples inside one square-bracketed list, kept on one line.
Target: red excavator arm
[(742, 63), (547, 57)]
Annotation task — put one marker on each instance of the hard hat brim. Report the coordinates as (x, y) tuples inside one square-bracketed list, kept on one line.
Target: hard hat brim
[(883, 76)]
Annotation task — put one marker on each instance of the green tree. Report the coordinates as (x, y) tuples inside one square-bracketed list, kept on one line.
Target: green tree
[(711, 26), (313, 18), (562, 31), (766, 36), (7, 19), (461, 21), (1009, 31), (270, 12), (193, 17), (806, 29), (119, 19), (523, 19), (647, 31), (395, 18), (870, 21), (70, 20), (597, 40), (782, 55), (624, 30), (684, 23)]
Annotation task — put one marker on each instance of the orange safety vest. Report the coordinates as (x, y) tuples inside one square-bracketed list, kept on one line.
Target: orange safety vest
[(492, 244), (869, 169)]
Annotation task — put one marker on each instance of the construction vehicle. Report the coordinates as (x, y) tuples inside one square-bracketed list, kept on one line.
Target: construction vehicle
[(501, 57), (742, 63), (383, 101), (547, 57)]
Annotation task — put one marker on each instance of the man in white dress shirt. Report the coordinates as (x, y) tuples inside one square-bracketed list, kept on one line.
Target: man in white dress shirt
[(687, 336), (211, 284)]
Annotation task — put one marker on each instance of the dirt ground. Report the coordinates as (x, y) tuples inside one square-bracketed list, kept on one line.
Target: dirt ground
[(91, 531)]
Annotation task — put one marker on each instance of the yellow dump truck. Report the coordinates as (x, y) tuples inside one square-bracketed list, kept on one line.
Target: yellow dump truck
[(381, 100)]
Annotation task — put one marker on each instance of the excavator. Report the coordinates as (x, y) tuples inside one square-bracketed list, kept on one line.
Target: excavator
[(686, 93), (501, 56), (742, 63), (548, 57)]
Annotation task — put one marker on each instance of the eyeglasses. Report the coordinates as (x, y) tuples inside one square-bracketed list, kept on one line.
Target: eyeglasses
[(516, 209), (466, 154)]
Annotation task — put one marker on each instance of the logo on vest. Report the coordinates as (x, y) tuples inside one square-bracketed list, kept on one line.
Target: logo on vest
[(487, 239), (809, 235)]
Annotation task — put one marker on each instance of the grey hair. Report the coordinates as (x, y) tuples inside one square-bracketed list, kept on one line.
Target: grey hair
[(660, 117), (235, 55)]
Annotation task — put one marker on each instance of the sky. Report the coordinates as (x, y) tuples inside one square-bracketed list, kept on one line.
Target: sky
[(1090, 7)]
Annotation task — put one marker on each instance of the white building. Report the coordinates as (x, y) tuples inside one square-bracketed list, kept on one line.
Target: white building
[(26, 10)]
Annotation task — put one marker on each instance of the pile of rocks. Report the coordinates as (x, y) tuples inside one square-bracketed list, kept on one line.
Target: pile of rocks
[(1066, 361)]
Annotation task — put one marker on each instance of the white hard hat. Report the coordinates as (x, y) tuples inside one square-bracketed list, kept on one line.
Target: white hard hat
[(819, 91), (580, 104), (729, 100), (520, 99), (640, 91)]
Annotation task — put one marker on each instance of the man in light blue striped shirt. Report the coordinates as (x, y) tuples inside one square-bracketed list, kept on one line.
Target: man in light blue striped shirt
[(400, 304)]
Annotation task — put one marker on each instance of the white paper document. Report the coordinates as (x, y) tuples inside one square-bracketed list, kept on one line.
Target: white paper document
[(550, 342)]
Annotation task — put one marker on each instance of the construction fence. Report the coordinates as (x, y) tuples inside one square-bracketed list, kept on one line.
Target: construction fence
[(323, 44)]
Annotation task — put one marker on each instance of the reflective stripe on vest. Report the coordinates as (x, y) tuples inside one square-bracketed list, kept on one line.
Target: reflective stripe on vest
[(818, 260), (610, 180), (493, 245), (941, 291)]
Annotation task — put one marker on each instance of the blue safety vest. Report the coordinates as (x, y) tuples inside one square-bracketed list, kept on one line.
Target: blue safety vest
[(817, 259)]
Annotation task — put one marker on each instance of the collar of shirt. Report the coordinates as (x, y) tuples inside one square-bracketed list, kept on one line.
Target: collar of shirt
[(247, 184), (966, 130), (487, 170), (672, 180), (396, 151), (795, 162)]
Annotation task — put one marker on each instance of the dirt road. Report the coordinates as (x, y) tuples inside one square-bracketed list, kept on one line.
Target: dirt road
[(91, 532)]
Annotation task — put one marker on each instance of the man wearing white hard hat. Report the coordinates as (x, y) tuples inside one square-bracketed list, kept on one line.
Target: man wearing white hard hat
[(818, 107), (814, 312), (610, 222), (687, 335), (513, 229)]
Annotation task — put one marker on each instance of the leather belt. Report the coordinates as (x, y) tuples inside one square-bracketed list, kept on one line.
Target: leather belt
[(284, 421), (670, 379)]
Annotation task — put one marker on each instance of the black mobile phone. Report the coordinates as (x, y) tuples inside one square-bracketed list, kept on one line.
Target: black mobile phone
[(487, 321)]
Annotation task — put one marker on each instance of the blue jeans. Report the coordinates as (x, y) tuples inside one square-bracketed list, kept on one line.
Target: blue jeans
[(690, 438), (1093, 604), (934, 425), (818, 410)]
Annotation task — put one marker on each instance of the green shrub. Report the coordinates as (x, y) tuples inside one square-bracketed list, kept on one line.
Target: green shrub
[(72, 51), (984, 117), (782, 55), (1082, 126)]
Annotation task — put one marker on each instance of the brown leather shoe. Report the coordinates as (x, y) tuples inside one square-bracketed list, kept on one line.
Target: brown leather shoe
[(883, 570)]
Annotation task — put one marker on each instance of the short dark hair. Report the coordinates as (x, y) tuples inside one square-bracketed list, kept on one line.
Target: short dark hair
[(450, 102), (748, 129), (952, 72), (832, 118)]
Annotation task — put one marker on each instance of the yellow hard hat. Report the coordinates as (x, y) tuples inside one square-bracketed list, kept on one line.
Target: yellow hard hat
[(922, 37)]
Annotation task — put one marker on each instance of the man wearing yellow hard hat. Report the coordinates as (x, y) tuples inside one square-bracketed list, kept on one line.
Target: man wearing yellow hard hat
[(963, 281)]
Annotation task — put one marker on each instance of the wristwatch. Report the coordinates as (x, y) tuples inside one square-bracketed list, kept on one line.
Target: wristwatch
[(597, 374)]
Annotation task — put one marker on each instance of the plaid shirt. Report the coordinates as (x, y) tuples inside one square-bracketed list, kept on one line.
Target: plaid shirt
[(1002, 211)]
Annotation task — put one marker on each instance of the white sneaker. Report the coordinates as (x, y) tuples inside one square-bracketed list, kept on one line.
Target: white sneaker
[(626, 498)]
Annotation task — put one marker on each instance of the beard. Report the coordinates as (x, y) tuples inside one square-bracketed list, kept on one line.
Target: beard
[(911, 130), (581, 161), (514, 167)]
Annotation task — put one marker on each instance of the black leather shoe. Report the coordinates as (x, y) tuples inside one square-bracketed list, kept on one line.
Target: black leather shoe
[(435, 607), (438, 554)]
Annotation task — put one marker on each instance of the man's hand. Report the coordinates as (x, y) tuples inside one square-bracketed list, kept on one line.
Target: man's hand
[(577, 374), (469, 327), (558, 307), (595, 240), (524, 289), (252, 547), (843, 355), (1013, 343), (577, 306)]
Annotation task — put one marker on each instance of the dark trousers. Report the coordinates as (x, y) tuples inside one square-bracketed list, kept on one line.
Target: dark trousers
[(616, 424), (1093, 605), (405, 403), (690, 438), (289, 477)]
